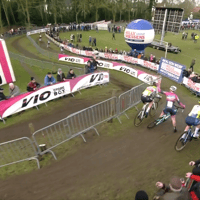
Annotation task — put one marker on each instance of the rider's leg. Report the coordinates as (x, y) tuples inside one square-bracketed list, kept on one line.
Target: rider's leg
[(162, 113), (186, 128), (196, 134), (149, 107), (173, 117)]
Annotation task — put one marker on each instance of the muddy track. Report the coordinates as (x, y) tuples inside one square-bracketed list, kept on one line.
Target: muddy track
[(135, 158)]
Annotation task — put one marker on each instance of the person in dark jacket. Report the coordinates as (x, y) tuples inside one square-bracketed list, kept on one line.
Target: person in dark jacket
[(192, 64), (141, 195), (71, 74), (0, 80), (33, 85), (88, 67), (94, 64), (2, 96), (60, 75)]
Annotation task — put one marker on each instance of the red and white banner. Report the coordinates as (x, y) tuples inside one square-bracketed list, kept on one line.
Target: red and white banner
[(6, 70), (45, 94), (192, 85), (146, 78)]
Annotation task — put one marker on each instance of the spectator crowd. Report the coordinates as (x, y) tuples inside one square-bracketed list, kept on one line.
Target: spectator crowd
[(33, 85)]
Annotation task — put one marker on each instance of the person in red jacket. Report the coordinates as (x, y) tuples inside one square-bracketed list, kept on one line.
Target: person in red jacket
[(195, 189), (33, 85)]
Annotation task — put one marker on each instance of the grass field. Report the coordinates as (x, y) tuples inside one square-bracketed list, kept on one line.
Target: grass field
[(109, 131)]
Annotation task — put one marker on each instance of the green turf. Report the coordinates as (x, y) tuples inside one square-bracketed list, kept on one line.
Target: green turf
[(128, 185)]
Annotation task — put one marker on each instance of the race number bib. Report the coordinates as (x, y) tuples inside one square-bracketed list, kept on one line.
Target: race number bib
[(169, 104)]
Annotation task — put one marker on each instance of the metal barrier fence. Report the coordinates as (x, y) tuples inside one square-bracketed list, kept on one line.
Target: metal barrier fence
[(74, 125), (45, 64), (129, 99), (16, 151), (48, 54)]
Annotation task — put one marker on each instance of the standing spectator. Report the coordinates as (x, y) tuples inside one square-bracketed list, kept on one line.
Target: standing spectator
[(135, 53), (87, 67), (113, 36), (95, 42), (183, 35), (80, 37), (14, 90), (2, 96), (192, 64), (151, 58), (60, 75), (49, 79), (106, 49), (33, 85), (97, 29), (90, 40), (61, 49), (71, 74), (48, 43), (196, 37), (40, 38), (141, 195)]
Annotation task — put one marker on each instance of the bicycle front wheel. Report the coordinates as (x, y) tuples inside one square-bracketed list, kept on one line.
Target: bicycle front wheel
[(153, 109), (182, 142), (152, 124), (138, 118)]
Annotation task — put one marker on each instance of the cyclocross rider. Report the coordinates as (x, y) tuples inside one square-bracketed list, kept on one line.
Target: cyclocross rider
[(171, 98), (193, 120), (148, 95)]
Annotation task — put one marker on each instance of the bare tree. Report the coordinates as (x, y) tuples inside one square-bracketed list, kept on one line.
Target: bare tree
[(5, 8)]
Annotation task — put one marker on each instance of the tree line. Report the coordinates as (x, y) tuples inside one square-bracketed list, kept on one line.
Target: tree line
[(41, 12)]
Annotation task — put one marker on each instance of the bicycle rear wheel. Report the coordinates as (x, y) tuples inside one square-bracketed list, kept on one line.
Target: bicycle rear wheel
[(153, 109), (182, 141), (138, 118)]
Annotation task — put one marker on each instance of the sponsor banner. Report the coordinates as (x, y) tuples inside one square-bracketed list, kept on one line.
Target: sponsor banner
[(87, 53), (45, 94), (171, 70), (90, 80), (126, 69), (192, 85), (146, 78), (148, 64), (130, 59), (139, 36), (71, 59), (37, 31), (6, 70), (105, 64), (110, 56)]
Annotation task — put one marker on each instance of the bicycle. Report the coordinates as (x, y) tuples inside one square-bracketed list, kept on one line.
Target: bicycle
[(162, 119), (141, 113), (184, 139)]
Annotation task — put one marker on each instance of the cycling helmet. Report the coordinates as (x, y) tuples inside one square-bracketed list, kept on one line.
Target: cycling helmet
[(173, 88), (154, 83)]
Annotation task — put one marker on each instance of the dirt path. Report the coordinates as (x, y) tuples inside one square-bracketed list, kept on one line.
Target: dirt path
[(107, 167)]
